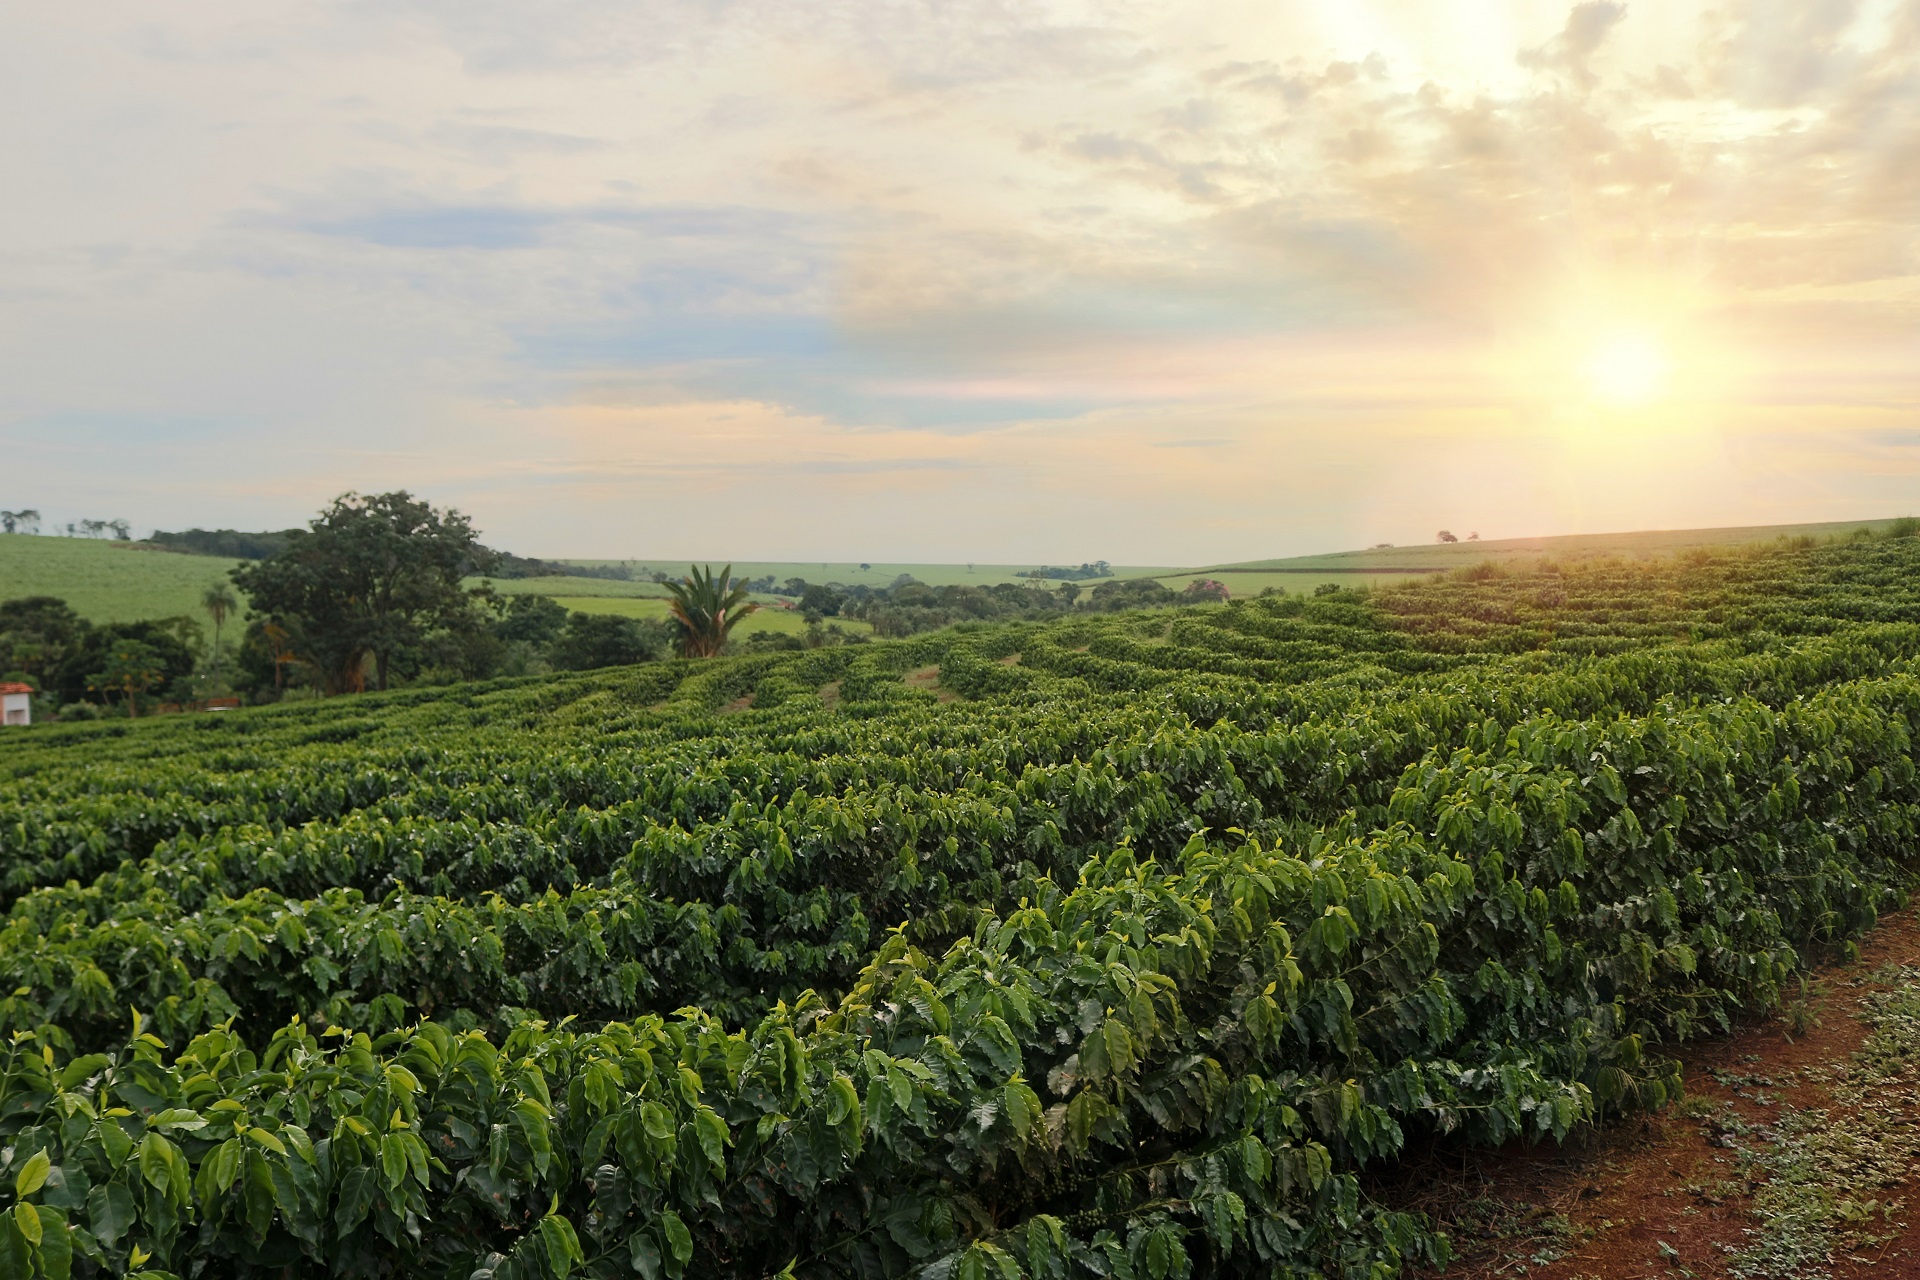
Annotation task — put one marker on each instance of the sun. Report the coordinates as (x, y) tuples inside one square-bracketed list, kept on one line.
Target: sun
[(1628, 369)]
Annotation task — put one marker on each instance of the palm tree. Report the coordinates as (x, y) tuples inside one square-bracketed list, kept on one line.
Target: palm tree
[(219, 603), (706, 606)]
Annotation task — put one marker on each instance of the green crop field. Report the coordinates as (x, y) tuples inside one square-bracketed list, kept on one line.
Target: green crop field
[(107, 581), (576, 588), (772, 618), (1137, 945), (1440, 557), (1243, 582), (873, 575)]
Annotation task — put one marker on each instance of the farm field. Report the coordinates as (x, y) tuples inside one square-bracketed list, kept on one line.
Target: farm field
[(107, 581), (1131, 944), (774, 619), (1440, 557), (875, 575), (576, 588), (1251, 582)]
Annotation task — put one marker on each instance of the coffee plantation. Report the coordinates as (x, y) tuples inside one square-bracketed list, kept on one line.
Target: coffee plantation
[(1117, 946)]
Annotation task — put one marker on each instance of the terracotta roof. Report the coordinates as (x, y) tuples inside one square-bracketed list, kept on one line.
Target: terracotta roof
[(16, 688)]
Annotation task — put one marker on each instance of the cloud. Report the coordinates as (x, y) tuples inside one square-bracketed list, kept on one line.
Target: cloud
[(1031, 257), (1588, 25)]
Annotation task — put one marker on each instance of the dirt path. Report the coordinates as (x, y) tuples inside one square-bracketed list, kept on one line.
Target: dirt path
[(1793, 1156)]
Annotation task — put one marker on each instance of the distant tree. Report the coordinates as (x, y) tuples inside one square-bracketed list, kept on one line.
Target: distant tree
[(92, 653), (266, 658), (38, 633), (1382, 546), (1204, 589), (1131, 593), (132, 668), (824, 601), (1474, 536), (863, 564), (1068, 593), (122, 531), (1444, 536), (25, 520), (368, 578), (593, 640), (220, 603), (534, 620), (706, 608), (230, 543)]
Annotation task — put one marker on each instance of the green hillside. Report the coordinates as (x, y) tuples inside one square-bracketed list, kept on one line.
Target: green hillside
[(1440, 557), (107, 581)]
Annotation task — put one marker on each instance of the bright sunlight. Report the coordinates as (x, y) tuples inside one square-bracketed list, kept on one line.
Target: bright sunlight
[(1630, 369)]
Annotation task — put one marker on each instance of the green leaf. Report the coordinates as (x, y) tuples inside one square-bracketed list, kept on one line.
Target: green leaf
[(157, 1158), (27, 1218), (110, 1212), (177, 1118), (55, 1247), (674, 1233), (562, 1245), (32, 1175)]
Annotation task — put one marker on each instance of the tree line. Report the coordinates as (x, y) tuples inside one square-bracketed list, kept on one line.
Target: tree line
[(27, 520), (381, 590)]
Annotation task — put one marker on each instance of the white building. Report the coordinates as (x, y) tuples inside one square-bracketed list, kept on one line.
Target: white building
[(16, 704)]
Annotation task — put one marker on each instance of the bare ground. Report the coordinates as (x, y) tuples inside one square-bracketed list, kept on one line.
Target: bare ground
[(1793, 1156)]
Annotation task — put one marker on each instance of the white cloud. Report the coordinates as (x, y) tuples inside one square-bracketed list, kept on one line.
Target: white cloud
[(1209, 280)]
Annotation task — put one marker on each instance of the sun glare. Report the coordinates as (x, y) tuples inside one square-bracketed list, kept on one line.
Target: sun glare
[(1627, 370)]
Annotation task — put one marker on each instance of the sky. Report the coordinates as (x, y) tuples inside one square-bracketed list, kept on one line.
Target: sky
[(963, 280)]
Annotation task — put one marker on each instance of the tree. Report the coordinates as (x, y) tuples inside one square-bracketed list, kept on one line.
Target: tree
[(37, 633), (25, 520), (132, 668), (706, 608), (606, 640), (1444, 536), (534, 620), (219, 602), (74, 679), (369, 577)]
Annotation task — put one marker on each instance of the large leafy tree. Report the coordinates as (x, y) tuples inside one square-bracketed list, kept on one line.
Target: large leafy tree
[(705, 607), (37, 633), (369, 577), (132, 668)]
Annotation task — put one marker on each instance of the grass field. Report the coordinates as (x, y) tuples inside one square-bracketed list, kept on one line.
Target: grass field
[(872, 575), (769, 619), (1251, 582), (112, 582), (577, 588), (107, 581), (1440, 557)]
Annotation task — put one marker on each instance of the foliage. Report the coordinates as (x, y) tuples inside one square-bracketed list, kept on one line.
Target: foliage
[(230, 543), (93, 652), (37, 634), (591, 640), (132, 669), (366, 581), (705, 608), (1115, 944)]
